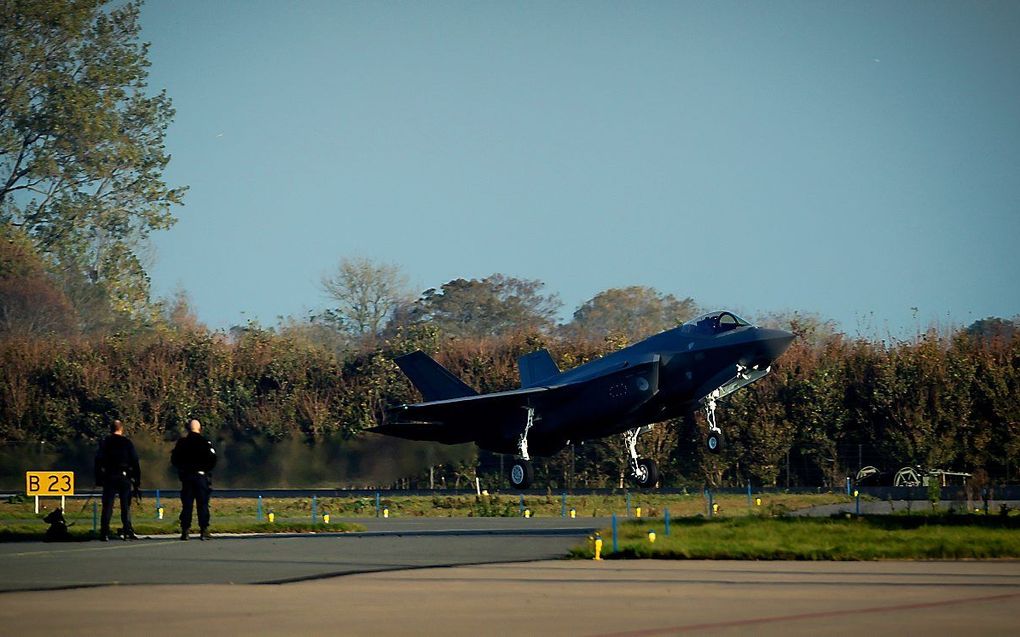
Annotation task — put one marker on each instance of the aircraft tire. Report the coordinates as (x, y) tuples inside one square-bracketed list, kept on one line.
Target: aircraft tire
[(715, 442), (521, 474), (651, 474)]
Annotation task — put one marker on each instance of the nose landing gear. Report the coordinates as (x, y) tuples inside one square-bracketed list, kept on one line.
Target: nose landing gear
[(715, 442)]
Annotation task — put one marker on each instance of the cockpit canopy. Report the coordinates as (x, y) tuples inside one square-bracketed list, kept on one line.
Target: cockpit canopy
[(713, 323)]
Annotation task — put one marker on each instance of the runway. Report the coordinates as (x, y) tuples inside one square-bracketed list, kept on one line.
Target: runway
[(623, 599), (402, 577), (387, 544)]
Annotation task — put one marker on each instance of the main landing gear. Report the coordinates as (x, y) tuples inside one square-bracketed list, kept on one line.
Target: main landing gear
[(521, 471), (644, 472)]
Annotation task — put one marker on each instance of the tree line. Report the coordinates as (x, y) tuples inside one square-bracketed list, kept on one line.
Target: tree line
[(308, 390), (82, 158)]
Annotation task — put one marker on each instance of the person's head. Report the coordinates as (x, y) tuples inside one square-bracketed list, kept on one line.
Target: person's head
[(117, 427), (194, 426)]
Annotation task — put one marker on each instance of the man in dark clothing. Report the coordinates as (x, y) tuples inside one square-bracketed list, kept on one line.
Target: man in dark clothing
[(194, 458), (118, 473)]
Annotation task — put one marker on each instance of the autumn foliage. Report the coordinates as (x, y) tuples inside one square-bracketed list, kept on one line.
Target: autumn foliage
[(938, 401)]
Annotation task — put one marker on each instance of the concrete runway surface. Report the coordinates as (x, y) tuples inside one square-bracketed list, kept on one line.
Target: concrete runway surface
[(391, 588), (638, 599)]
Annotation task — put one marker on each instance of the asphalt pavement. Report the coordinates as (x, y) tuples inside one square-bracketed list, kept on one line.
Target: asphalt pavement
[(457, 576), (395, 543), (582, 597)]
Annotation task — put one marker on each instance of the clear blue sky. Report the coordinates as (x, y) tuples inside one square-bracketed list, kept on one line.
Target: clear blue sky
[(853, 159)]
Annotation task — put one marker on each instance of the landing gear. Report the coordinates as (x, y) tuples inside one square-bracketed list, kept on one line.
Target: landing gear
[(521, 474), (647, 474), (644, 472), (521, 471), (715, 441)]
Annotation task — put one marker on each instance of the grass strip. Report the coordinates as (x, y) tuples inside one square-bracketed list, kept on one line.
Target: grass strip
[(837, 538), (487, 505)]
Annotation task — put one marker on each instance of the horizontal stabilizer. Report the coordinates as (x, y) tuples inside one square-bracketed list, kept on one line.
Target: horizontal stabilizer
[(435, 432), (434, 381), (536, 367)]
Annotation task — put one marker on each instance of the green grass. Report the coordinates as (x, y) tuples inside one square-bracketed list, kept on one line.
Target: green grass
[(652, 505), (857, 538), (18, 519)]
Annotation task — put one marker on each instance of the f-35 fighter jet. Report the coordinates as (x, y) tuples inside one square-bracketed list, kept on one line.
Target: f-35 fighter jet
[(671, 374)]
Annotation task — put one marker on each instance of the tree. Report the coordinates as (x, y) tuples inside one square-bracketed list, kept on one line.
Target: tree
[(367, 295), (994, 328), (30, 302), (179, 315), (808, 327), (492, 306), (635, 312), (81, 141)]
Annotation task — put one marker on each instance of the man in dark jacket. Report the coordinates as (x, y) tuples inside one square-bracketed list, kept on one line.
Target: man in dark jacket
[(194, 458), (118, 473)]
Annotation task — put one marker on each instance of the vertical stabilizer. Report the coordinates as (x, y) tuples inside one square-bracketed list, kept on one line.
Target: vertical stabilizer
[(537, 367), (434, 381)]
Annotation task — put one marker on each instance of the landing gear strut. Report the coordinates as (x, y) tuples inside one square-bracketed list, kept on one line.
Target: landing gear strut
[(521, 471), (715, 441), (644, 472)]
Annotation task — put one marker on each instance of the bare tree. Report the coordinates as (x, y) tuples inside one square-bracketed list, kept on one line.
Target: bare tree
[(367, 293)]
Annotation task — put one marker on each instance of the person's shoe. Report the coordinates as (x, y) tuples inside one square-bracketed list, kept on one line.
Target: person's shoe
[(184, 535), (104, 536), (205, 535), (129, 534)]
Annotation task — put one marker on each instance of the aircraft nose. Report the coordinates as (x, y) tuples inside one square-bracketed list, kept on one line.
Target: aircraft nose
[(773, 343)]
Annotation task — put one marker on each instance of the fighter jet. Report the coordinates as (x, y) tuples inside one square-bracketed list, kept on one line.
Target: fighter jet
[(671, 374)]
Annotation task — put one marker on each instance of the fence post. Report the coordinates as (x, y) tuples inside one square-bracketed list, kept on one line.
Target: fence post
[(259, 512), (157, 503), (563, 505), (521, 509), (315, 510), (628, 504), (376, 504), (711, 508), (667, 521), (616, 544), (748, 494), (95, 517)]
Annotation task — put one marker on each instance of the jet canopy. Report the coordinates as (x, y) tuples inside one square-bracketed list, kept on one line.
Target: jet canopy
[(713, 323)]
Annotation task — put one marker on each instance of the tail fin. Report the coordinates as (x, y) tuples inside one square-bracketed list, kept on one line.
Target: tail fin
[(434, 381), (536, 367)]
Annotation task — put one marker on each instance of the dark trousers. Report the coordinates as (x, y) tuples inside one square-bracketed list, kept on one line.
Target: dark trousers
[(113, 487), (195, 488)]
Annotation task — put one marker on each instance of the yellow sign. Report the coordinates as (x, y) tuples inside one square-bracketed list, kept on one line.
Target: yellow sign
[(49, 483)]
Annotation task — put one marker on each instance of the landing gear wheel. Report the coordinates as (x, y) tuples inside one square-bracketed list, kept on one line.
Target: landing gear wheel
[(521, 474), (715, 442), (647, 474)]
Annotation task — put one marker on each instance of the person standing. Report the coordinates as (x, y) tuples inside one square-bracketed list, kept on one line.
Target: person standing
[(117, 471), (194, 457)]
